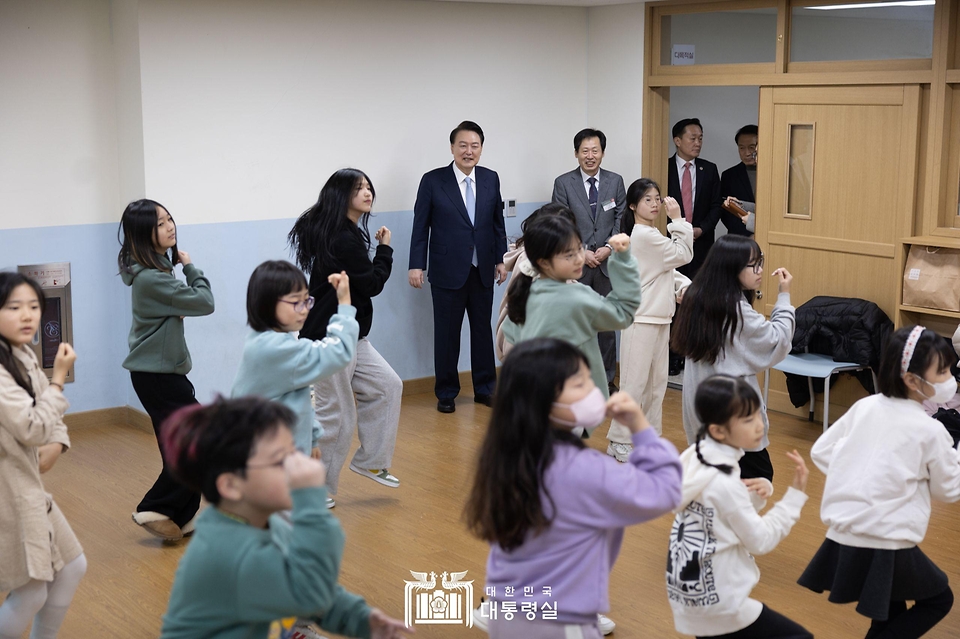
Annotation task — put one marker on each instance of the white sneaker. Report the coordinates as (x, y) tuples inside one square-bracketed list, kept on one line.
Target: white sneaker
[(606, 624), (330, 502), (479, 621), (620, 452), (305, 630), (379, 475)]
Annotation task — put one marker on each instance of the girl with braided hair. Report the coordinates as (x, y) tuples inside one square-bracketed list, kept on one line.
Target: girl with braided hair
[(718, 529)]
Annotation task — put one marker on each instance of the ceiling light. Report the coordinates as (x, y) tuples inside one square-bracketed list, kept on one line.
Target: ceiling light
[(875, 5)]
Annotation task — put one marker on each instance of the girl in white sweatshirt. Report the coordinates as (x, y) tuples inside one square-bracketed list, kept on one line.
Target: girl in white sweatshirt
[(644, 345), (884, 460), (719, 332), (717, 529)]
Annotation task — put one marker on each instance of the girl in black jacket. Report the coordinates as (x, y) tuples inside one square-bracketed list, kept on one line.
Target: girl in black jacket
[(329, 237)]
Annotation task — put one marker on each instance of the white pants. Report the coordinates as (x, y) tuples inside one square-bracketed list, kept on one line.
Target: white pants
[(644, 364), (363, 397)]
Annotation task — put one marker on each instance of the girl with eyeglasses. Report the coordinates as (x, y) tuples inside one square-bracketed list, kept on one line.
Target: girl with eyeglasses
[(329, 237), (278, 366), (718, 332), (159, 360)]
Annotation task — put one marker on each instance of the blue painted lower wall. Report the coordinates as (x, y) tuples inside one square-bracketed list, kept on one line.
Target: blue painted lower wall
[(227, 253)]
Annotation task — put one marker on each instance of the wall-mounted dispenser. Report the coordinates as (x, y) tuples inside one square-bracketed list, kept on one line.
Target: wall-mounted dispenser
[(56, 324)]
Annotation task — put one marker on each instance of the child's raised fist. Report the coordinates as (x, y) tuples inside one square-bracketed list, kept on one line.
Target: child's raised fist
[(303, 471)]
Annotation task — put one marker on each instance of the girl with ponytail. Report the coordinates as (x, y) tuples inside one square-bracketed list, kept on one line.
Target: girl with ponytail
[(717, 530), (541, 303)]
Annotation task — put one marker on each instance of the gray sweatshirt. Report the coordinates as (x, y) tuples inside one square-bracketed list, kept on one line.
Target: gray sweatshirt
[(757, 345)]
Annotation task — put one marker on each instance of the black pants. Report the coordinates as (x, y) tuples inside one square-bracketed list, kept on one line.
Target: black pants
[(606, 340), (162, 394), (449, 305), (769, 625), (904, 623), (756, 465)]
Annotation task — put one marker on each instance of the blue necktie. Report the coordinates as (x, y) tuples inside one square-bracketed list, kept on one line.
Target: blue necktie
[(471, 201), (592, 197)]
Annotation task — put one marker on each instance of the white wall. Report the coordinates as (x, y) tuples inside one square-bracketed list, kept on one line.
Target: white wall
[(58, 122), (249, 106), (615, 87)]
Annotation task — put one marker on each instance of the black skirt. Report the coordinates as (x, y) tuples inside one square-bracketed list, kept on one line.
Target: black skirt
[(873, 577)]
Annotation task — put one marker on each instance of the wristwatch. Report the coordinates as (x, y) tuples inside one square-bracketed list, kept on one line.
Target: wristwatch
[(607, 245)]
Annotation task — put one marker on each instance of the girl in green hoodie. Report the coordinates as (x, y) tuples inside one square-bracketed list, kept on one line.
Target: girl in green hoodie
[(159, 360)]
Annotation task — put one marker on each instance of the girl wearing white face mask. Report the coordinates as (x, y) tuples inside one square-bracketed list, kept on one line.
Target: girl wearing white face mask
[(884, 460), (552, 509)]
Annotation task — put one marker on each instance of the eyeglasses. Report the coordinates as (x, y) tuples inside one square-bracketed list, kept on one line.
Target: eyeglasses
[(756, 266), (277, 464), (301, 305), (571, 256)]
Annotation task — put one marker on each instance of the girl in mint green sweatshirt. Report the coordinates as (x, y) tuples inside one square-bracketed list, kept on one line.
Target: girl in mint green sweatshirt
[(159, 360), (278, 366), (542, 304)]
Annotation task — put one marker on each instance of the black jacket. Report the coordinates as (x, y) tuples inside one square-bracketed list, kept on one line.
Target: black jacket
[(736, 182), (845, 328), (366, 281)]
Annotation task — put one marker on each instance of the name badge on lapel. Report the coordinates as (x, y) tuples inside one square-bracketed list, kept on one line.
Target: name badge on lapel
[(609, 204)]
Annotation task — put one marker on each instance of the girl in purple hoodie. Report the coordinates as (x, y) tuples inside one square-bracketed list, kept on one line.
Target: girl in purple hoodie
[(552, 509)]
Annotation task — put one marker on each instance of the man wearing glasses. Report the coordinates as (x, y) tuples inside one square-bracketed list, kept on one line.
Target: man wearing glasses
[(738, 184)]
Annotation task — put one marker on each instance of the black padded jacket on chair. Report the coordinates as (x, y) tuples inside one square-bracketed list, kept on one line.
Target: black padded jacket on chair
[(845, 328)]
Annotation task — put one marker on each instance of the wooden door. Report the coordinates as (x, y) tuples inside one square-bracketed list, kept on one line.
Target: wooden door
[(837, 183)]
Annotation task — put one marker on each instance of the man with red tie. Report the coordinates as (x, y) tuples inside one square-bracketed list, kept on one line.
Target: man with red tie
[(695, 183)]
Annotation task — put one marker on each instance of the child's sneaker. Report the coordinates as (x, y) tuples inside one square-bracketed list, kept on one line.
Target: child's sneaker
[(479, 621), (620, 452), (330, 502), (303, 630), (605, 624), (379, 475)]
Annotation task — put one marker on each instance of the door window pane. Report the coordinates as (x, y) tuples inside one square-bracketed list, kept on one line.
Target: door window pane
[(800, 171), (720, 37), (869, 32)]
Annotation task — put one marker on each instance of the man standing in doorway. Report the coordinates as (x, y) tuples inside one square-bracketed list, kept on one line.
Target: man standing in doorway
[(740, 183), (695, 183), (597, 198), (459, 215)]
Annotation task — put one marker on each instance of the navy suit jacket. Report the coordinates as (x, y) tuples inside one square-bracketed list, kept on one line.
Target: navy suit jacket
[(735, 182), (707, 206), (440, 222)]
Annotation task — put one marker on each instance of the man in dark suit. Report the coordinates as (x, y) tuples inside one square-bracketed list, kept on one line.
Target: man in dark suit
[(597, 198), (695, 184), (459, 215), (740, 182)]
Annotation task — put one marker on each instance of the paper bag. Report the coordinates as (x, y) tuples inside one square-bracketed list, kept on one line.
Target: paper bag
[(931, 278)]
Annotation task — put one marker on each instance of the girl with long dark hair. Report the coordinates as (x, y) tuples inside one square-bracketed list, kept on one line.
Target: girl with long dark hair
[(42, 559), (159, 360), (718, 331), (332, 237), (552, 509)]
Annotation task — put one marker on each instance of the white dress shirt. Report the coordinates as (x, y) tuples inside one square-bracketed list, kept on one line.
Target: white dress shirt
[(586, 184), (462, 183), (693, 175)]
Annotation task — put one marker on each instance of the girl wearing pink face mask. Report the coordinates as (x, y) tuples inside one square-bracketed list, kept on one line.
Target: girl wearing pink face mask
[(552, 509)]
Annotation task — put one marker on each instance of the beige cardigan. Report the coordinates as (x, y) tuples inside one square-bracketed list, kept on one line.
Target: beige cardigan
[(35, 539)]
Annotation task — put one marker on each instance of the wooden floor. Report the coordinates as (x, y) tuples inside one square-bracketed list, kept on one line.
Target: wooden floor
[(418, 527)]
